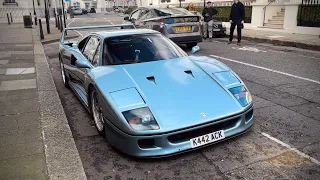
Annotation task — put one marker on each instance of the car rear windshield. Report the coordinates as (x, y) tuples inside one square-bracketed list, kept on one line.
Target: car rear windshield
[(171, 11), (140, 48)]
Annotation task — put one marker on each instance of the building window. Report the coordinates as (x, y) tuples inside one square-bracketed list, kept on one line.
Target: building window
[(9, 2)]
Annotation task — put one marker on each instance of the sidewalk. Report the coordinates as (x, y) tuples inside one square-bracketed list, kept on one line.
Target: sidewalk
[(278, 37), (35, 138)]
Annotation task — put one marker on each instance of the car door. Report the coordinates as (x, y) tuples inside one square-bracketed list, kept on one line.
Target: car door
[(89, 52)]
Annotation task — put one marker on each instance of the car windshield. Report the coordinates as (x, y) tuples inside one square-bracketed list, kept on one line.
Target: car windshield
[(140, 48)]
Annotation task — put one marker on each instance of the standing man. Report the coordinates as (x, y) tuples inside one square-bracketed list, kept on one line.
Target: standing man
[(208, 13), (236, 19)]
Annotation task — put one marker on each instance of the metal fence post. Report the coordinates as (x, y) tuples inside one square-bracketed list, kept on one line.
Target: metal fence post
[(41, 31), (31, 18), (58, 22), (35, 20), (55, 18), (8, 19), (11, 16), (61, 23)]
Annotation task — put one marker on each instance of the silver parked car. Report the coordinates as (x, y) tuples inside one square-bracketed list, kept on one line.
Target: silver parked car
[(77, 11), (178, 24)]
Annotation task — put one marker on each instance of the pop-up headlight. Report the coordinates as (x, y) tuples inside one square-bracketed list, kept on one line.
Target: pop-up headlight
[(242, 95), (141, 119)]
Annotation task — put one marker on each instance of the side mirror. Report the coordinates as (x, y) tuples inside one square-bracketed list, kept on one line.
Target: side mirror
[(83, 64), (195, 49), (126, 18)]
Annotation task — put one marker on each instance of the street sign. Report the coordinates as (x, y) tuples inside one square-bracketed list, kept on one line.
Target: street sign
[(67, 0)]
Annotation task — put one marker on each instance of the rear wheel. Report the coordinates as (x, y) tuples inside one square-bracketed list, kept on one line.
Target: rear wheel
[(190, 45), (97, 113), (64, 77)]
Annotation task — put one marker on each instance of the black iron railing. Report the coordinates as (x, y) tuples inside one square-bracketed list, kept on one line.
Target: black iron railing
[(309, 13)]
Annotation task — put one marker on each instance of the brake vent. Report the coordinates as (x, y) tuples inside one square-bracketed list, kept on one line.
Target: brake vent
[(151, 78), (189, 72)]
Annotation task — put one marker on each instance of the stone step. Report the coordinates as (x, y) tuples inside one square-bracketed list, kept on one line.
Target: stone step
[(276, 22), (280, 14), (278, 17), (273, 26)]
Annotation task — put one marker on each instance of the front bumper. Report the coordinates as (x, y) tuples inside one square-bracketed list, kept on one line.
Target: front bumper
[(177, 141)]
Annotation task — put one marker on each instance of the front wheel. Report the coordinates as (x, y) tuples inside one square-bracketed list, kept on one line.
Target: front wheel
[(97, 113), (190, 45)]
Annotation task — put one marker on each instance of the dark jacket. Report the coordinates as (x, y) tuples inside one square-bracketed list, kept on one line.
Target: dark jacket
[(210, 11), (237, 11)]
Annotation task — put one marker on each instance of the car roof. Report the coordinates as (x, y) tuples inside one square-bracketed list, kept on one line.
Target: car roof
[(123, 32)]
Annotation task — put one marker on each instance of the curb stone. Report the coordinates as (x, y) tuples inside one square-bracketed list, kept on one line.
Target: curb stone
[(282, 43), (62, 157)]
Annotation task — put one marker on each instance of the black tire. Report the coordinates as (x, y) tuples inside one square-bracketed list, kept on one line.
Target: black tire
[(64, 77), (190, 45), (97, 113)]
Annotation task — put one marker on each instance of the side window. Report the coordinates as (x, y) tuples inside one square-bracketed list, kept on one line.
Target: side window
[(135, 15), (90, 48), (146, 15), (82, 43), (96, 58)]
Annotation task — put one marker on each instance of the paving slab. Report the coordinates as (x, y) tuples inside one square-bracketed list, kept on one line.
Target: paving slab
[(28, 168), (22, 106), (2, 71), (15, 71), (18, 84)]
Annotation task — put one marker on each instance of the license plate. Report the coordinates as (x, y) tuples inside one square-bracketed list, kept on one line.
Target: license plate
[(216, 29), (183, 29), (206, 139)]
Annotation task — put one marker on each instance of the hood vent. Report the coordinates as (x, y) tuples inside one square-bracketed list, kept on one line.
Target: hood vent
[(189, 72), (151, 78)]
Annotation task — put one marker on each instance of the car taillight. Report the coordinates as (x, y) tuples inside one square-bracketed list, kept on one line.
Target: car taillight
[(161, 21)]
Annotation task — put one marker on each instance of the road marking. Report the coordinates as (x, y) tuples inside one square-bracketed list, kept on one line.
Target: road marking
[(267, 69), (71, 21), (247, 48), (291, 148), (108, 21), (74, 30), (78, 33)]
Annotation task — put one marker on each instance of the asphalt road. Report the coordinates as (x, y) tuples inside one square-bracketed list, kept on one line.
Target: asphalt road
[(284, 142)]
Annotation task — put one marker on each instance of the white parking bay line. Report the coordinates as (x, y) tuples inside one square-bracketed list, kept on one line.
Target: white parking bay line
[(108, 21), (291, 148), (267, 69), (71, 21)]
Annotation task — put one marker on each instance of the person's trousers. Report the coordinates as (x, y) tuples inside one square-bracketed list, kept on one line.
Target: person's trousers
[(233, 26), (207, 26)]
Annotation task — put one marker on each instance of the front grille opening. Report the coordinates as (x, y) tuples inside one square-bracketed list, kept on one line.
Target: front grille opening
[(249, 115), (146, 143), (186, 136)]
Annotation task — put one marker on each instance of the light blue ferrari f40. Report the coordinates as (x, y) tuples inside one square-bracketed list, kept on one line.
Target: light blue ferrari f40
[(148, 97)]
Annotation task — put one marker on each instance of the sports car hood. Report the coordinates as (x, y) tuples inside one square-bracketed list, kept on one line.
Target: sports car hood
[(180, 93)]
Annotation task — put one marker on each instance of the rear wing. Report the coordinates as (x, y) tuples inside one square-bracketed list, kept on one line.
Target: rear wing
[(121, 26)]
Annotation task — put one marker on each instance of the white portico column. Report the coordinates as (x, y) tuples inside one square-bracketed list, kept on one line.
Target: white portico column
[(101, 6)]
